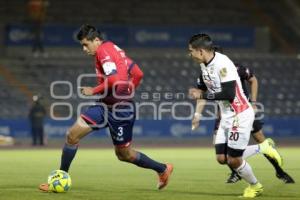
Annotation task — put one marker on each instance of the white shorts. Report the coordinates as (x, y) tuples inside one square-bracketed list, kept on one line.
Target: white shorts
[(235, 131)]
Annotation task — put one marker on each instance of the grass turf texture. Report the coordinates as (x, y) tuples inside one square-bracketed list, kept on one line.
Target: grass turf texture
[(97, 174)]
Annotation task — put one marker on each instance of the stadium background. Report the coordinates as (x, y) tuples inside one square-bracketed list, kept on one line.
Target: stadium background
[(261, 34)]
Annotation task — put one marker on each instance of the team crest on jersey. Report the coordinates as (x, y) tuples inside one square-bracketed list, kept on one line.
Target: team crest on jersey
[(223, 72)]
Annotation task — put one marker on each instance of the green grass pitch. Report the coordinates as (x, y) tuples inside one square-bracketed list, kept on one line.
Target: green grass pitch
[(97, 174)]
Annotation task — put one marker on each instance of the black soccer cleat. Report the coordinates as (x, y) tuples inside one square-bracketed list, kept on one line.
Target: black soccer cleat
[(285, 177), (233, 178)]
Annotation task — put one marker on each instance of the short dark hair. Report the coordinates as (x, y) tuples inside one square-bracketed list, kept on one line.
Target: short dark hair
[(201, 40), (89, 32)]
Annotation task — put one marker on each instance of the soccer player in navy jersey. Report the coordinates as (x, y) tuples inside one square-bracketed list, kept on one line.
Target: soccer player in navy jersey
[(115, 110)]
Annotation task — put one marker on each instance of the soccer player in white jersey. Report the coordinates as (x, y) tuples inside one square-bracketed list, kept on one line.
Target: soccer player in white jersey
[(247, 76), (222, 84)]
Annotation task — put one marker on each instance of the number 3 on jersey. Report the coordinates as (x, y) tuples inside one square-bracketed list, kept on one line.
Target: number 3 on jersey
[(120, 131)]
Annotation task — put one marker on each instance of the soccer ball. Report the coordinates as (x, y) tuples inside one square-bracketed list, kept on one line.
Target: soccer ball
[(59, 181)]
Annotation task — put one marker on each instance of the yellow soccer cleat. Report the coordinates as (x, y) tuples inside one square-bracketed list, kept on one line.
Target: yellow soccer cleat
[(267, 147), (253, 191), (271, 142)]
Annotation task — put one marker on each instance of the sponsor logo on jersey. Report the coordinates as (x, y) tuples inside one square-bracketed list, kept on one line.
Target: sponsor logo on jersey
[(223, 72)]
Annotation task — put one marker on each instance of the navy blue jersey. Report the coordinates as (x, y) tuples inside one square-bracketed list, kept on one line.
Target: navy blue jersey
[(245, 74)]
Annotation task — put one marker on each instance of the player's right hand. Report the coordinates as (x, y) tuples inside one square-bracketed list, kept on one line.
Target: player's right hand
[(87, 91), (196, 121)]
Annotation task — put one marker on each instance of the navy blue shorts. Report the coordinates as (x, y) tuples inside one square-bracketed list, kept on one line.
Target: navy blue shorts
[(119, 120)]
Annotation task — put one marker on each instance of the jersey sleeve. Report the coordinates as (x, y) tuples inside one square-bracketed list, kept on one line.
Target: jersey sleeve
[(105, 58), (227, 72), (245, 73), (200, 83), (136, 75)]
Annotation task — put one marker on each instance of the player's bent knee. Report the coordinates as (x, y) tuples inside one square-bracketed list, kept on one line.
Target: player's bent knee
[(234, 162), (123, 156), (221, 159), (71, 138), (221, 162)]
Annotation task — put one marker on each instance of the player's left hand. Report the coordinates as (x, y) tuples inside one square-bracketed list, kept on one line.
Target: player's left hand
[(195, 93), (254, 106), (87, 91)]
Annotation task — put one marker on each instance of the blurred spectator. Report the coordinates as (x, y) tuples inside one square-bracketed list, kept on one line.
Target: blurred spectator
[(36, 116), (37, 13)]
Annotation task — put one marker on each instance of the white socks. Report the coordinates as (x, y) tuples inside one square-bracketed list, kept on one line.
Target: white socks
[(251, 151), (245, 171)]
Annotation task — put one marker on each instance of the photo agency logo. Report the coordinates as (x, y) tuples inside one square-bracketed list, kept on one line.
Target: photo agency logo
[(158, 105)]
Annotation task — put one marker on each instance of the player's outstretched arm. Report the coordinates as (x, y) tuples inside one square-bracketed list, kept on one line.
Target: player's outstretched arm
[(198, 113), (195, 93), (227, 92), (253, 82), (107, 84), (137, 75)]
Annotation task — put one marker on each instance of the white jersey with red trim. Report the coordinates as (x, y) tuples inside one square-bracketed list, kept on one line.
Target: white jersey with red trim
[(219, 70)]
